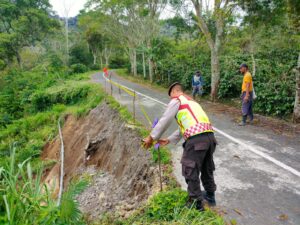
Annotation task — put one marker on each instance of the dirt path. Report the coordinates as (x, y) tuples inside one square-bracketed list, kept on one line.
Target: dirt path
[(251, 188)]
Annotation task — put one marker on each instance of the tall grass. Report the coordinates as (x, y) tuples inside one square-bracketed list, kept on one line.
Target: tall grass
[(167, 207), (26, 201)]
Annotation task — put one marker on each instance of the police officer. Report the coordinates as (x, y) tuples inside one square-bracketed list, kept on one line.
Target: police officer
[(199, 146)]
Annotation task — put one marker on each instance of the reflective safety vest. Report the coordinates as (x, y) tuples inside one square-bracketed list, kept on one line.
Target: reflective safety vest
[(191, 118)]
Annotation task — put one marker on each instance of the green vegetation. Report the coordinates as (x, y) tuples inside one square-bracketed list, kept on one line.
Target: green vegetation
[(35, 109), (24, 201), (168, 207)]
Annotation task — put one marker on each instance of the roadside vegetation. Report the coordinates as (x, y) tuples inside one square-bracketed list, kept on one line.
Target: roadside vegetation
[(24, 200), (44, 75)]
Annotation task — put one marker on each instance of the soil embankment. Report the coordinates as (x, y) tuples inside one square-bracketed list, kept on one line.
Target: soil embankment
[(104, 148)]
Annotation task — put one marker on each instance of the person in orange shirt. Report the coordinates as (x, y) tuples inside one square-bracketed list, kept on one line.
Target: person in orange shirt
[(247, 95), (105, 70)]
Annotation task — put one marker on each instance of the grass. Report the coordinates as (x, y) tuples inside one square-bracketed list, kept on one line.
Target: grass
[(25, 201), (167, 207)]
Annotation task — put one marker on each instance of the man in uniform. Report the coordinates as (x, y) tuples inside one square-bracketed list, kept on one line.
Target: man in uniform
[(199, 145)]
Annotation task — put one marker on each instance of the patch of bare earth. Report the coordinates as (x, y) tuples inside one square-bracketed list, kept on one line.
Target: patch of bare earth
[(105, 149)]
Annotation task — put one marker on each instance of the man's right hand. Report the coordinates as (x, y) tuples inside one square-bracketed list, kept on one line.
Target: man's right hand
[(163, 142)]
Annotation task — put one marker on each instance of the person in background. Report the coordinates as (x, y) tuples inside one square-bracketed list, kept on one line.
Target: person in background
[(247, 95), (197, 84)]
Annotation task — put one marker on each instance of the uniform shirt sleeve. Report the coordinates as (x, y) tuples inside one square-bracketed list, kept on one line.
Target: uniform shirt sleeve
[(166, 119), (175, 137)]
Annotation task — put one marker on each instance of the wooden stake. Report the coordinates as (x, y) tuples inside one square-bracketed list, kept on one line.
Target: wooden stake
[(111, 88), (159, 168)]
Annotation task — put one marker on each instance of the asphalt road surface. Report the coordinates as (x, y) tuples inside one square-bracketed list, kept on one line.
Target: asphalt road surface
[(257, 171)]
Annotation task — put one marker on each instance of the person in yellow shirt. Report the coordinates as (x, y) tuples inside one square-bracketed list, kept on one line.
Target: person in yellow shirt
[(247, 95)]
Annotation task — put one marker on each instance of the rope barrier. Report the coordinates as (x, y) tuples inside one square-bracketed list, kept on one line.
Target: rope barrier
[(134, 95)]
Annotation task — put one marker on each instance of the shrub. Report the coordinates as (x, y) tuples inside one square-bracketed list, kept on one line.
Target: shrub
[(64, 94), (95, 67), (78, 68)]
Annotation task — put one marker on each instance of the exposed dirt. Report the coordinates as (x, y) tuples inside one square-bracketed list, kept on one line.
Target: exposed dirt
[(107, 150)]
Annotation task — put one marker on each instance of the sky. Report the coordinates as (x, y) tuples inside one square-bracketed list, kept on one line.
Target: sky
[(74, 6)]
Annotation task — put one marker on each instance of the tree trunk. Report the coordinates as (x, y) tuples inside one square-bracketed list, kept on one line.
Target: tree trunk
[(214, 44), (150, 70), (215, 74), (107, 53), (95, 58), (253, 65), (296, 115), (144, 65), (134, 63), (101, 61), (67, 40), (131, 61)]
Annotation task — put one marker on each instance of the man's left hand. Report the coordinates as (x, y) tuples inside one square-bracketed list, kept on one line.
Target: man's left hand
[(148, 142)]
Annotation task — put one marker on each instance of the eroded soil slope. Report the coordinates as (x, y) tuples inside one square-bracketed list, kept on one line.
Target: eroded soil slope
[(104, 148)]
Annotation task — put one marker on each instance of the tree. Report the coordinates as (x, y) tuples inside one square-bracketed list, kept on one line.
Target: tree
[(92, 25), (212, 22), (134, 24), (296, 114), (221, 11), (23, 23), (95, 39)]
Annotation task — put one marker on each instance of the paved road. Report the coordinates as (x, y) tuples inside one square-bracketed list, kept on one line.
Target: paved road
[(251, 189)]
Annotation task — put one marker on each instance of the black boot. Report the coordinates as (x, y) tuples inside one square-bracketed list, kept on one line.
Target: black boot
[(198, 204), (190, 203), (243, 123), (210, 198)]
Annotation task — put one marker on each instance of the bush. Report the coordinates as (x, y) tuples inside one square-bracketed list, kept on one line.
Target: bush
[(80, 54), (78, 68), (274, 81), (95, 67), (64, 94)]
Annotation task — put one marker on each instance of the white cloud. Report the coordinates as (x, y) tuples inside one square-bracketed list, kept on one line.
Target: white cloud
[(71, 6)]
